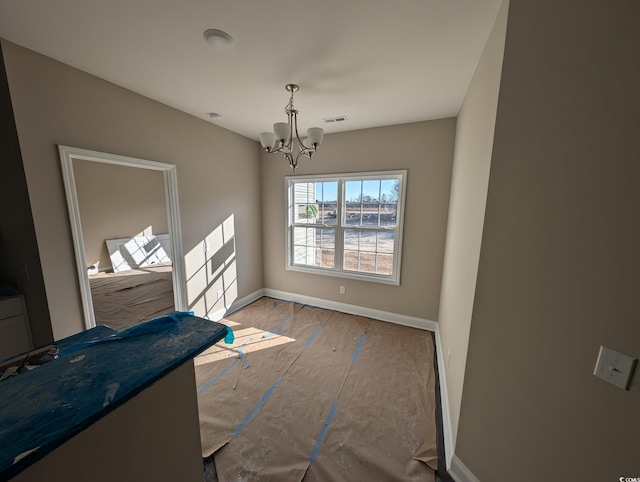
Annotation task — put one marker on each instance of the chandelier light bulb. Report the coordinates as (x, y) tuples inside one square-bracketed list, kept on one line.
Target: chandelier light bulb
[(282, 131), (315, 135), (268, 140)]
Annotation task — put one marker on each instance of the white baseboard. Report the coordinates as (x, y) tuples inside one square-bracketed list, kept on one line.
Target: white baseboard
[(236, 305), (444, 403), (412, 321), (461, 472), (242, 302)]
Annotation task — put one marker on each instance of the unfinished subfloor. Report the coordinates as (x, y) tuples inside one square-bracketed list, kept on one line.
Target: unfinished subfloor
[(311, 394)]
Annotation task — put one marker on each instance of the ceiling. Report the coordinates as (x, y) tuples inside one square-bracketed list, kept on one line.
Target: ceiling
[(377, 62)]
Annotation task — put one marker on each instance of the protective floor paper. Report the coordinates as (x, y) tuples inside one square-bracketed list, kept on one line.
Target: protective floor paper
[(312, 394), (124, 299)]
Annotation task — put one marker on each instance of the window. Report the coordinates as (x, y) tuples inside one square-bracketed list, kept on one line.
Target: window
[(346, 225)]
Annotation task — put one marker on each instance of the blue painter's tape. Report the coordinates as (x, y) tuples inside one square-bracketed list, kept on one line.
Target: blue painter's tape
[(310, 340), (275, 333), (286, 320), (255, 409), (323, 432), (229, 337), (243, 355), (358, 348), (215, 379)]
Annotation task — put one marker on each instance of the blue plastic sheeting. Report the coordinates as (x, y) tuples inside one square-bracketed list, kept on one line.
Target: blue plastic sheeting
[(98, 370)]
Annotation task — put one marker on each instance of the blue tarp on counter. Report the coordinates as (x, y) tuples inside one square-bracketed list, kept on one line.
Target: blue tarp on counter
[(96, 371)]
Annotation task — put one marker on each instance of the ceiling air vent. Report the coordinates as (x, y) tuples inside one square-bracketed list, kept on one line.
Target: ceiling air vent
[(340, 118)]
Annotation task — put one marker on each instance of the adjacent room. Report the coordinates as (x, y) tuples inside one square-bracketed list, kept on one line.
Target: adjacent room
[(400, 239)]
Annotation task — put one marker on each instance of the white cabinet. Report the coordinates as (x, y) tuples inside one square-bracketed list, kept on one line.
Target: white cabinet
[(15, 336)]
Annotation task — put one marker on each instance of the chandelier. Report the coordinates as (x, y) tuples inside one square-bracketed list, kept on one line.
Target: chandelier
[(281, 139)]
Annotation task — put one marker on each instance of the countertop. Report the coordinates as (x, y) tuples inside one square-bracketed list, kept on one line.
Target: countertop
[(96, 371)]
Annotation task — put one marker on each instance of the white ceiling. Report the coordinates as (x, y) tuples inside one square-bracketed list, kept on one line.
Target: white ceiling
[(378, 62)]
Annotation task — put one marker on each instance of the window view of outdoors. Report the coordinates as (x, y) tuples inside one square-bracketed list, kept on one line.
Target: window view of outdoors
[(366, 221), (315, 203), (370, 203)]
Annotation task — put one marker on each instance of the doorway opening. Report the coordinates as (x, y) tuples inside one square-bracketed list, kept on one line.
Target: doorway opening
[(125, 226)]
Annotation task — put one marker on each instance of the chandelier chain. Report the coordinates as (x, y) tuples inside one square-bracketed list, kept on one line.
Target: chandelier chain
[(289, 107)]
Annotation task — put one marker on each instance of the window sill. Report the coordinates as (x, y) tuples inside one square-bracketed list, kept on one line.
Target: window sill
[(344, 274)]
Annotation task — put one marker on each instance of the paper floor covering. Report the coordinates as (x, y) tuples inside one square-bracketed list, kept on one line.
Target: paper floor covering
[(319, 396)]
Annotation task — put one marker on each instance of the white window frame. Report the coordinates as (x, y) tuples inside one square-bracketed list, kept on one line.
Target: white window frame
[(340, 227)]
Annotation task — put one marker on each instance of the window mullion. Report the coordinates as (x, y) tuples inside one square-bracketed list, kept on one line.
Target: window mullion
[(339, 236)]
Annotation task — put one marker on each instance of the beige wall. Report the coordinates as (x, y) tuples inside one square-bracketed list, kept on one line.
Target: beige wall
[(218, 171), (425, 149), (472, 160), (117, 202), (19, 257), (559, 264)]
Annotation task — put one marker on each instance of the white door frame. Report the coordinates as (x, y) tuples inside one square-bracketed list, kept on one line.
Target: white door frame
[(67, 155)]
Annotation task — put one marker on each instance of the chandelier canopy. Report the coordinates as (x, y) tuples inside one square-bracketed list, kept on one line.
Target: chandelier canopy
[(281, 139)]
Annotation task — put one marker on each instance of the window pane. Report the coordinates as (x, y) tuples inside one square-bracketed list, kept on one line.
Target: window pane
[(369, 251), (329, 214), (386, 242), (388, 214), (367, 263), (353, 191), (351, 239), (305, 213), (384, 264), (305, 207), (327, 200), (351, 260), (301, 254), (370, 214), (304, 192), (362, 240), (370, 202), (371, 190), (353, 203), (314, 246), (368, 241), (362, 202), (361, 262), (325, 258), (390, 189), (353, 215)]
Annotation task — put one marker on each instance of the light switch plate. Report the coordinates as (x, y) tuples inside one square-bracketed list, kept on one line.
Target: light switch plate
[(614, 367)]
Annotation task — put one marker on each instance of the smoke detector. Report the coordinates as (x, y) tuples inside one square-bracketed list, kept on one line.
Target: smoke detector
[(218, 39)]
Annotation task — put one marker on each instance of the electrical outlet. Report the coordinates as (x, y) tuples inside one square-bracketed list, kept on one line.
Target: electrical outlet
[(342, 290), (614, 367)]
